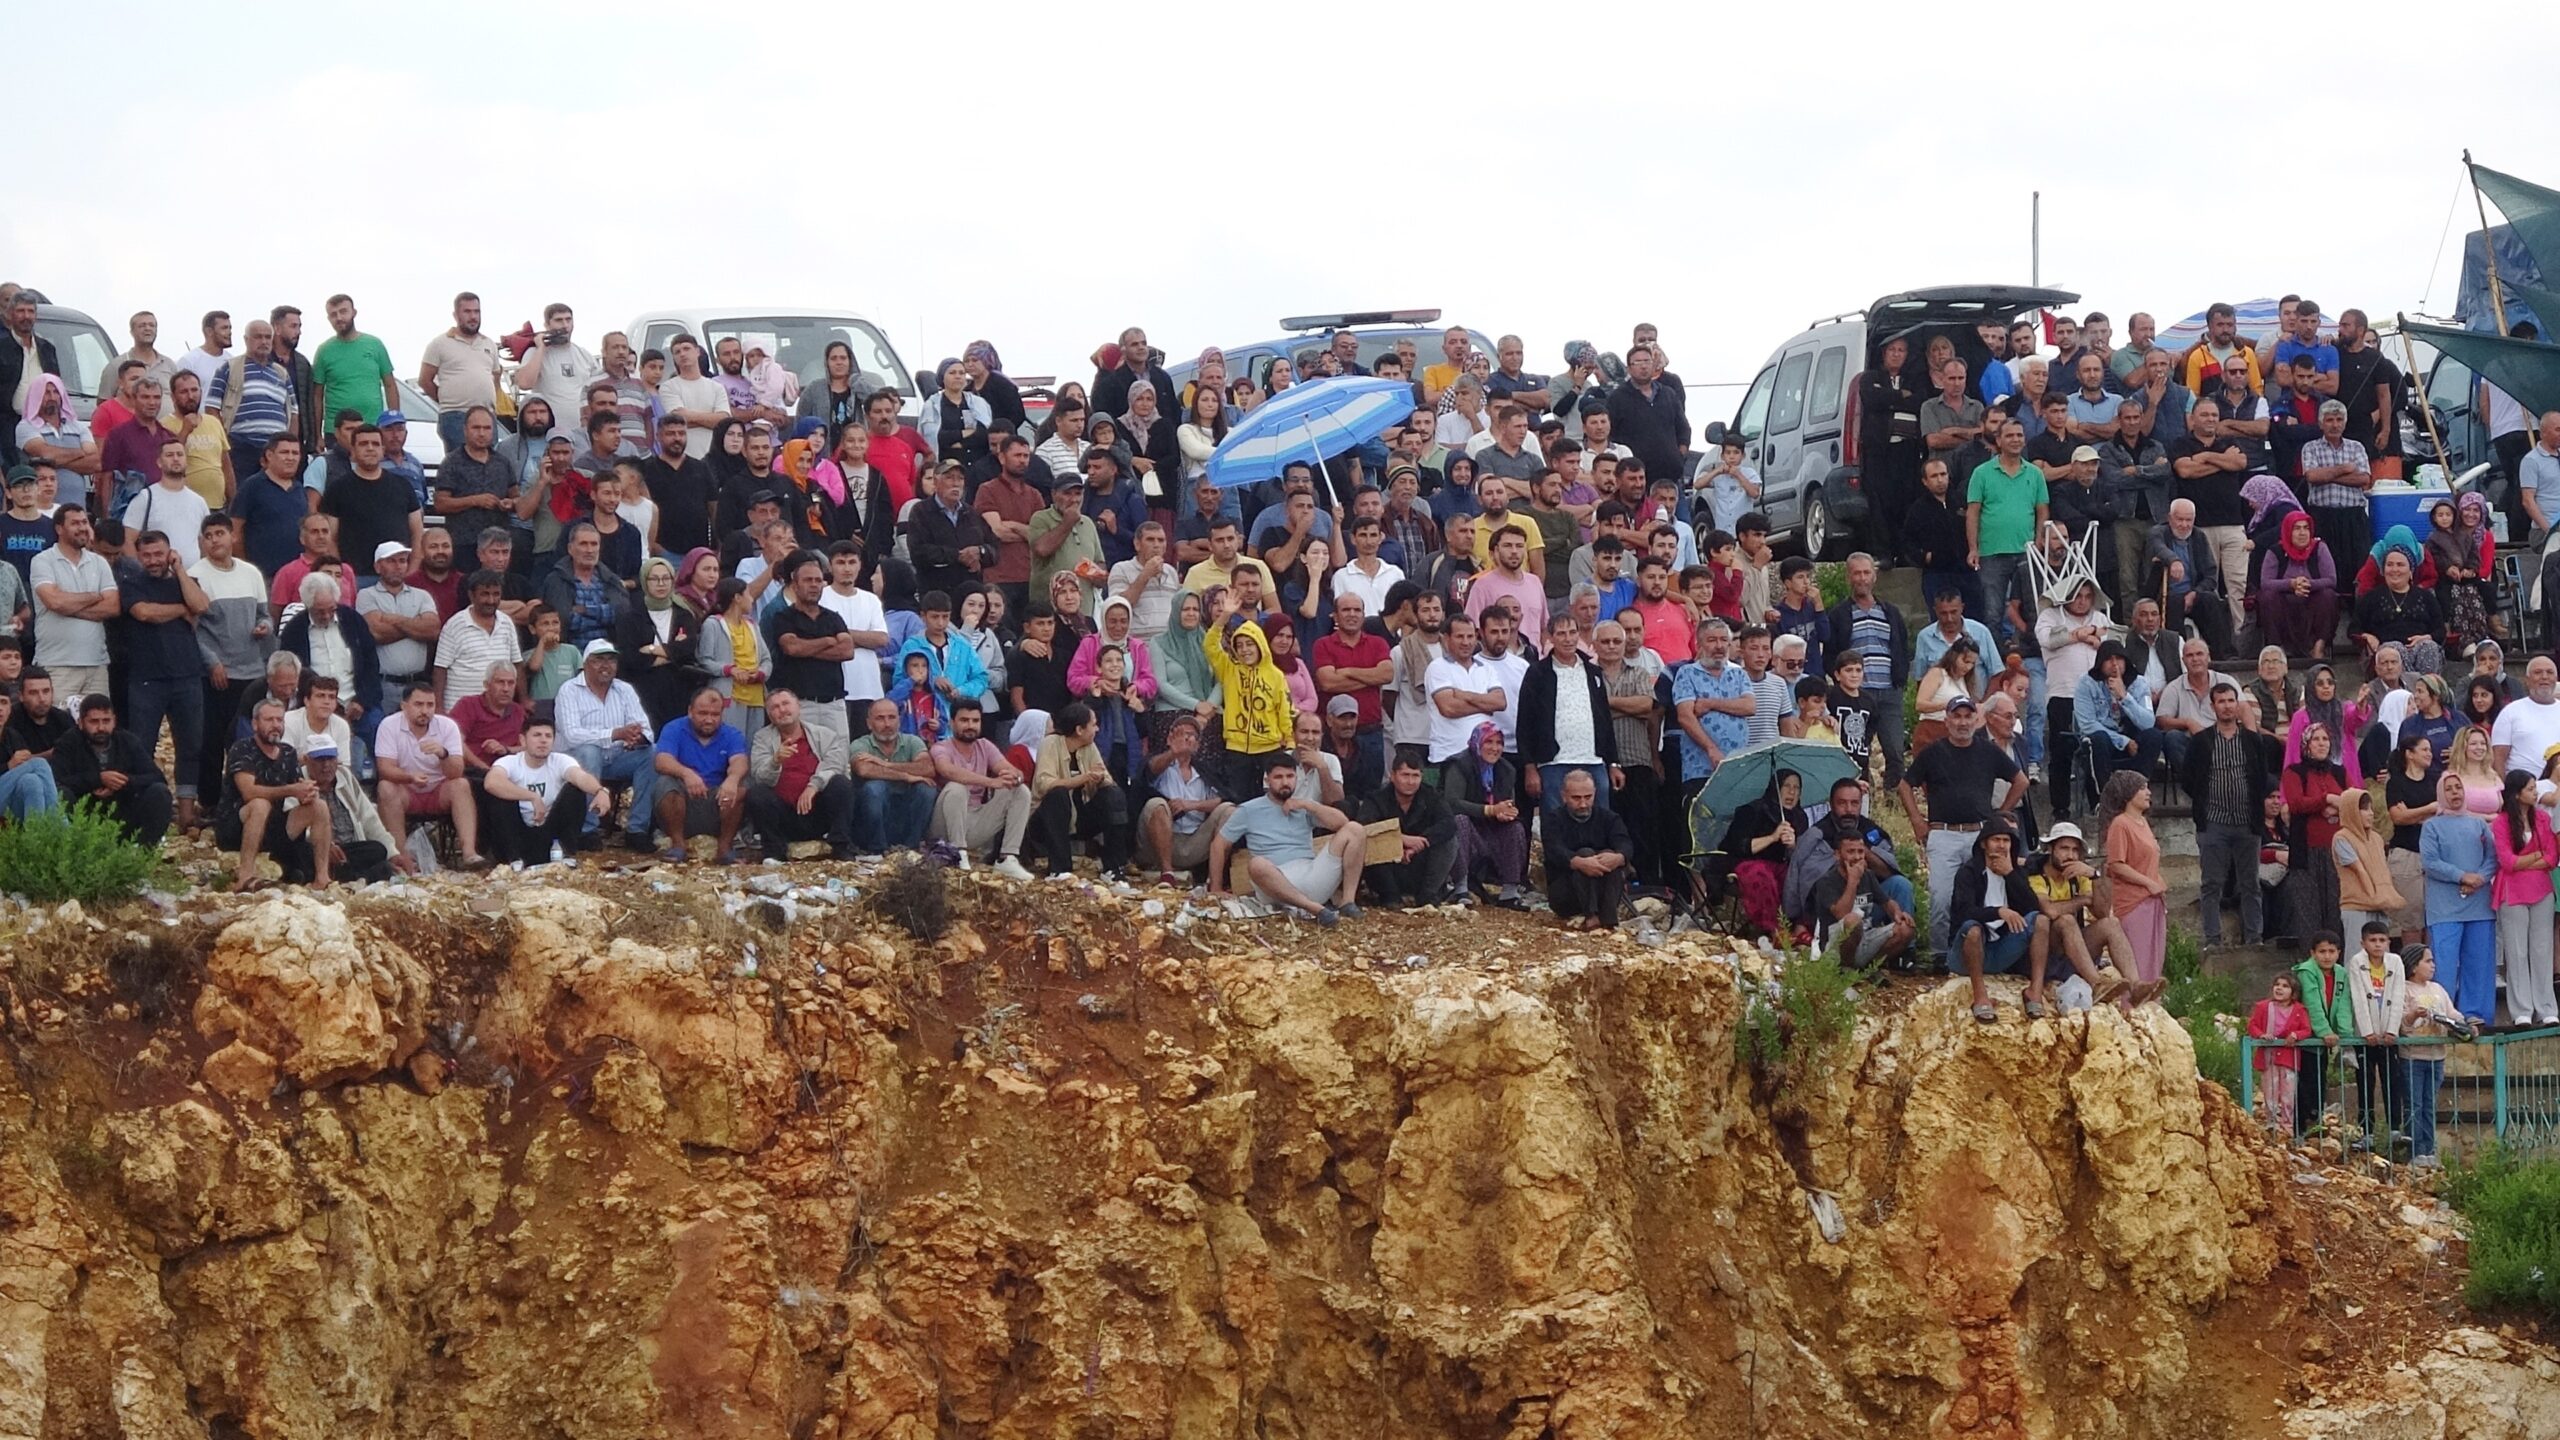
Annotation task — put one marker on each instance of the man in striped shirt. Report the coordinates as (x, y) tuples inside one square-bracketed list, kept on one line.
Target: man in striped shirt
[(254, 397), (2336, 473)]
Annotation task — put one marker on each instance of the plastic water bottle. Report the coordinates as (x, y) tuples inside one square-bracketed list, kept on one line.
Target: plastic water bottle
[(556, 855)]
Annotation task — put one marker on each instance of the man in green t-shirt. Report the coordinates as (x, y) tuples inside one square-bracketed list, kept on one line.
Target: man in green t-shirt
[(2005, 506), (351, 370), (894, 783)]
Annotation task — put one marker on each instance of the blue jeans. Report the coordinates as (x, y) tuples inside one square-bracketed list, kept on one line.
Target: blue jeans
[(2004, 956), (449, 429), (890, 815), (181, 702), (28, 789), (1551, 786), (2033, 663), (1996, 570), (615, 765), (2419, 1081)]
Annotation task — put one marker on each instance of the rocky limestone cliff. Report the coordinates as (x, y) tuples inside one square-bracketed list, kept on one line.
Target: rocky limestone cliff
[(503, 1160)]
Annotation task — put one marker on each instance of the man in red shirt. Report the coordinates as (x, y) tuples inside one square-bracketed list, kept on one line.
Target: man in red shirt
[(1352, 661), (492, 725), (1008, 502), (897, 453), (1669, 630)]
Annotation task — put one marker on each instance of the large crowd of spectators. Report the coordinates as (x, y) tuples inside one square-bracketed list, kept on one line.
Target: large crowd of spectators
[(648, 598)]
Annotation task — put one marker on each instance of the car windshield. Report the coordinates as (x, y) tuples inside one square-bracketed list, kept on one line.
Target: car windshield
[(799, 344), (84, 352)]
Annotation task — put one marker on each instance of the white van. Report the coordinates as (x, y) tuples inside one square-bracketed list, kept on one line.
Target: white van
[(796, 336)]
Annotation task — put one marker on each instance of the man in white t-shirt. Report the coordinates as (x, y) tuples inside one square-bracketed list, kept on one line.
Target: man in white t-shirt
[(863, 616), (537, 777), (2532, 725), (1148, 582), (1465, 692), (557, 368), (697, 397), (75, 595), (170, 506)]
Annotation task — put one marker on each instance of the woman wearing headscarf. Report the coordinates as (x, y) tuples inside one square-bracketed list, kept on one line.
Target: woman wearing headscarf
[(2298, 589), (2400, 608), (2269, 501), (1758, 842), (2465, 557), (1117, 628), (657, 638), (1155, 452), (1261, 720), (2404, 540), (2312, 788), (2460, 855), (987, 378), (2360, 854), (986, 639), (1022, 745), (1493, 828), (2320, 704), (955, 421), (1185, 684), (698, 585)]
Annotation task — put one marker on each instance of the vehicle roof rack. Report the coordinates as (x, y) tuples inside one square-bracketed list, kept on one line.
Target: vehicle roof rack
[(1359, 317)]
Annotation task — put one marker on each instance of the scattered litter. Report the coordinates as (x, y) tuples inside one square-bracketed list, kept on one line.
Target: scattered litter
[(1826, 1215), (747, 963)]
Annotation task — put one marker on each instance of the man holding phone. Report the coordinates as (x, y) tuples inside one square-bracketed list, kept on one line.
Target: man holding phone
[(556, 368)]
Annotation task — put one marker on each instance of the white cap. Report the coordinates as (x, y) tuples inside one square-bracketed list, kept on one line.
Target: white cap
[(389, 548), (2065, 831), (598, 647), (314, 746)]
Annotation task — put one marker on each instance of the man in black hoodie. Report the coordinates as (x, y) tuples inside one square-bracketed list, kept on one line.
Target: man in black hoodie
[(1997, 925)]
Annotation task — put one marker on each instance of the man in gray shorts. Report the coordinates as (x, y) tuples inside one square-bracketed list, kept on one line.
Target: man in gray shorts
[(1278, 830)]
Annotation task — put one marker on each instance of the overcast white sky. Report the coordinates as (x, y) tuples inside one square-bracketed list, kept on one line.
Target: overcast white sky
[(1042, 175)]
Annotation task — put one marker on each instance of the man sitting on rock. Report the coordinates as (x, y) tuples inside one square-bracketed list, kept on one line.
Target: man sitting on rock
[(701, 776), (1428, 837), (1278, 830), (1587, 851), (530, 820), (985, 802), (798, 788), (1850, 902), (1997, 925), (113, 769), (341, 821)]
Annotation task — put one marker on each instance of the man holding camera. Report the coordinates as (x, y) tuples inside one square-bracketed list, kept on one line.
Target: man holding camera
[(555, 367)]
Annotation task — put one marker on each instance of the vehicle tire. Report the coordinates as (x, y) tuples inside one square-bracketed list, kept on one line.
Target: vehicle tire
[(1820, 535)]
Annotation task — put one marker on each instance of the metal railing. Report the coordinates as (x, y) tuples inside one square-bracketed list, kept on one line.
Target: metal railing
[(2501, 1088)]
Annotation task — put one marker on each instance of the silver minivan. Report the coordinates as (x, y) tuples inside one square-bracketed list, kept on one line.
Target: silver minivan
[(1799, 419)]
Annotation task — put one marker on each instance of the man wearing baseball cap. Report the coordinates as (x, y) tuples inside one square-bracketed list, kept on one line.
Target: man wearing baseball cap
[(353, 844), (1063, 538), (402, 619), (605, 730)]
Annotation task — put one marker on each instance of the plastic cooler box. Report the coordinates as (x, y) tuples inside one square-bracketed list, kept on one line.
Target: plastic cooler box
[(2396, 505)]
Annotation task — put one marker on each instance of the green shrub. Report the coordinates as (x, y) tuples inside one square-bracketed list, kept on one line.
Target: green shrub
[(79, 853), (2192, 994), (2217, 1057), (2513, 1205), (1790, 1022), (1831, 581)]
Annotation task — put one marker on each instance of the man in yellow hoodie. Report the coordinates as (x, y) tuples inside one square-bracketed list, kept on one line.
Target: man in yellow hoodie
[(1254, 697)]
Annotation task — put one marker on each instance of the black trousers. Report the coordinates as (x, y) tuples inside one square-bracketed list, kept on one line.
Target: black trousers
[(2061, 753), (144, 808), (367, 860), (1639, 803), (1422, 880), (1573, 893), (1100, 819), (506, 836), (221, 709), (779, 821)]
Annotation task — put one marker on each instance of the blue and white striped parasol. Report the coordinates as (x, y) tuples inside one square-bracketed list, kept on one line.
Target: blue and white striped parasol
[(1311, 421), (2258, 324)]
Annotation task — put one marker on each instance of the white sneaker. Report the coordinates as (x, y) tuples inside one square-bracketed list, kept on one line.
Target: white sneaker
[(1011, 869), (965, 863)]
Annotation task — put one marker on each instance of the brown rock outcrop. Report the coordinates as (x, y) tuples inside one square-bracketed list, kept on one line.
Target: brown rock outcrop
[(1050, 1178)]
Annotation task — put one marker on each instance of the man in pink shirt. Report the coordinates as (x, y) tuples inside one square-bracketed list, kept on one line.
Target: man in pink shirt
[(1509, 579), (319, 552), (417, 762)]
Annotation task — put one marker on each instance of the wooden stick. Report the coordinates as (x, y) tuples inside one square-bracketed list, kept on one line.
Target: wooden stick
[(2426, 410), (2488, 245)]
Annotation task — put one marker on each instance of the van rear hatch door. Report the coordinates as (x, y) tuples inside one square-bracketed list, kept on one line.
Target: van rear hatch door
[(1953, 304)]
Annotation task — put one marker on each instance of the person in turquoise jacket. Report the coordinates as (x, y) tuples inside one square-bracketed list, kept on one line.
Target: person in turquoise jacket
[(2327, 995), (2461, 859)]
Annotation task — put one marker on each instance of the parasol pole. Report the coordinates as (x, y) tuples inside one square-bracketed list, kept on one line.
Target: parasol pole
[(2489, 245), (2426, 411)]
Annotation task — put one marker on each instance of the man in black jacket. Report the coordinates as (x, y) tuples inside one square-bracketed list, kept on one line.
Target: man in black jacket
[(1588, 857), (1563, 679), (22, 347), (1875, 629), (2227, 776), (1110, 392), (1649, 415), (1430, 839), (1996, 923), (111, 768), (948, 542)]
